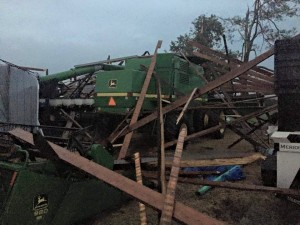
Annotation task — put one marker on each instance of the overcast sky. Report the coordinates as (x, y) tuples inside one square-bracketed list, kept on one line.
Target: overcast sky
[(57, 34)]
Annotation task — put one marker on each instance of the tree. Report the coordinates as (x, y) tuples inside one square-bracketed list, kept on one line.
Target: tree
[(206, 30), (260, 26)]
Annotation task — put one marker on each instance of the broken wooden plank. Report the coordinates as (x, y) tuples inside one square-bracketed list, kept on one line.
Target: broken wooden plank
[(242, 187), (115, 134), (139, 179), (139, 103), (216, 162), (215, 55), (248, 138), (168, 208), (162, 187), (197, 134), (254, 114), (186, 106), (76, 123), (154, 199), (235, 186), (69, 124), (248, 133), (152, 174)]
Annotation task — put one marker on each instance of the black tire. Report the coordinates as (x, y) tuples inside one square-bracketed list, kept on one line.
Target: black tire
[(200, 120), (269, 171), (214, 120), (171, 129)]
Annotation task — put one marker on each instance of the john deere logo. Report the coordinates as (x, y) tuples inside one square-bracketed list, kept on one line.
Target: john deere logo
[(112, 83), (40, 206)]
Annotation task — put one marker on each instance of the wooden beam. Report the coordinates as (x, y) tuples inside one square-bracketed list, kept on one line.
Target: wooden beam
[(216, 162), (76, 123), (139, 180), (168, 208), (248, 133), (254, 114), (233, 61), (154, 199), (243, 187), (186, 106), (69, 124), (237, 186), (114, 135), (197, 134), (161, 141), (139, 103), (247, 138)]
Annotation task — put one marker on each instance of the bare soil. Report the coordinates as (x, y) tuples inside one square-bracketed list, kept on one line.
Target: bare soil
[(230, 206)]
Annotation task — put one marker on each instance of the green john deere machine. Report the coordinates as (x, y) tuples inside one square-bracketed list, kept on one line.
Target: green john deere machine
[(117, 88), (37, 188), (117, 91), (50, 192)]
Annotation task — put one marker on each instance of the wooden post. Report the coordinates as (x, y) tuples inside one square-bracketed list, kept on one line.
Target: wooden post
[(161, 142), (168, 208), (76, 123), (139, 179), (139, 103), (69, 124)]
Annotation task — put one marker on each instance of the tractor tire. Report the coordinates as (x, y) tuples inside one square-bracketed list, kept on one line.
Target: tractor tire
[(200, 120), (214, 121), (171, 129), (269, 171)]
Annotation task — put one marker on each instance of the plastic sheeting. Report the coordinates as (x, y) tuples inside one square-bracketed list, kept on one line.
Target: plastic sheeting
[(18, 96)]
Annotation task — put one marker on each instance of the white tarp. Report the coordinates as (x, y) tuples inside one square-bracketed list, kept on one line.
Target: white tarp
[(19, 93)]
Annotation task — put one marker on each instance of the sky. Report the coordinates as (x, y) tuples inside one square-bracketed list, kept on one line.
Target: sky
[(58, 34)]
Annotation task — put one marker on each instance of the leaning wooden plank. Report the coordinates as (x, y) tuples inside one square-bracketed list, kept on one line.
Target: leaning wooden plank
[(197, 134), (216, 162), (146, 195), (265, 92), (186, 106), (223, 63), (254, 114), (139, 179), (168, 208), (114, 135), (236, 186), (243, 187), (248, 133), (213, 55), (139, 103), (76, 123), (162, 187), (69, 124)]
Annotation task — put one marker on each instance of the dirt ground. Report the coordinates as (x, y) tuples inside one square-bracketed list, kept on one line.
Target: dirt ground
[(230, 206)]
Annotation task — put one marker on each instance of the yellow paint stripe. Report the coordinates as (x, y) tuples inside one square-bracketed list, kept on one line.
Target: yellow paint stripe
[(129, 95), (124, 94), (112, 94)]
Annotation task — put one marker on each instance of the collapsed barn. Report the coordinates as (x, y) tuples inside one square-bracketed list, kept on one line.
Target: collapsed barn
[(78, 125)]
